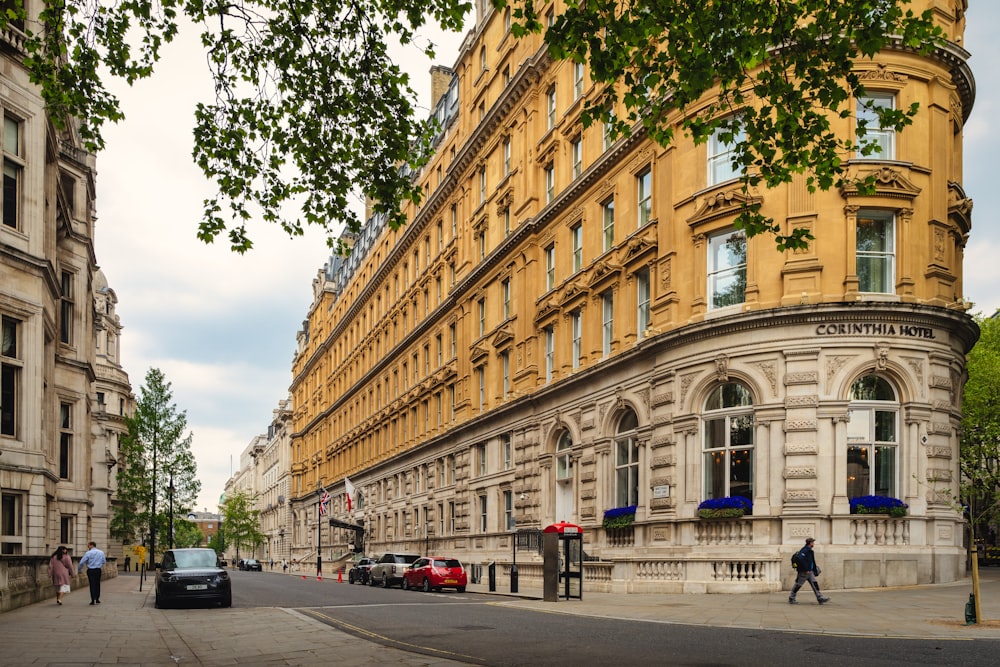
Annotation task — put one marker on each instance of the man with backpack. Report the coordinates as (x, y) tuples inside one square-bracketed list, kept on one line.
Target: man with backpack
[(804, 560)]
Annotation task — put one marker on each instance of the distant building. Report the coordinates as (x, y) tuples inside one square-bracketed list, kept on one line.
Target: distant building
[(208, 523), (570, 324)]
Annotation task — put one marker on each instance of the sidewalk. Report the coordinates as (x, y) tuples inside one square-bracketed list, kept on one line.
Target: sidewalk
[(127, 630)]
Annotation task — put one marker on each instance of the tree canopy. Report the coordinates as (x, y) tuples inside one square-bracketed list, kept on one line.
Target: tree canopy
[(980, 440), (310, 107), (156, 461), (241, 521)]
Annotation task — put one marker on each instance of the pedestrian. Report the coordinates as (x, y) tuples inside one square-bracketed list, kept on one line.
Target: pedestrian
[(808, 571), (61, 571), (128, 563), (94, 561), (284, 565), (272, 563)]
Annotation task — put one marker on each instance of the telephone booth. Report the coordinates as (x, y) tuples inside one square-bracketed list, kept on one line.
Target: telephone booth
[(563, 561)]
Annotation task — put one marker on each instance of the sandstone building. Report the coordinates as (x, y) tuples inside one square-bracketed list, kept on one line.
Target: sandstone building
[(63, 392), (570, 324)]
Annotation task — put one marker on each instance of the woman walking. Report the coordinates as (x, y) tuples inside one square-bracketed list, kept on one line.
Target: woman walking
[(61, 571)]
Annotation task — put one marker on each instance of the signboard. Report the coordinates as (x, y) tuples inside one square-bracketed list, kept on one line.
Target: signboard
[(662, 491)]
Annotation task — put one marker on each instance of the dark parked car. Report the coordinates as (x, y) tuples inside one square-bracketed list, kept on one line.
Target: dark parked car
[(432, 573), (358, 574), (192, 575), (251, 565)]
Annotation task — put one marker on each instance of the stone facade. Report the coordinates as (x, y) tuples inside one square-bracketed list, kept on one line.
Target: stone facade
[(64, 394), (569, 325)]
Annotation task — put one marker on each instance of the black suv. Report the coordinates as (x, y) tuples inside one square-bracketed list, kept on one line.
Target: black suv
[(358, 574)]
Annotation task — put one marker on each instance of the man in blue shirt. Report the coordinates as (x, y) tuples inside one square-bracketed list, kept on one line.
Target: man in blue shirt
[(93, 560)]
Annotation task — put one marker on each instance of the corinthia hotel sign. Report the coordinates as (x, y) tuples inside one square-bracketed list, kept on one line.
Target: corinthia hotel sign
[(873, 329)]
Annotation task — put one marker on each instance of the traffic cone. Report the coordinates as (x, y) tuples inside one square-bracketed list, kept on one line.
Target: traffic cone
[(319, 576), (340, 576), (303, 576)]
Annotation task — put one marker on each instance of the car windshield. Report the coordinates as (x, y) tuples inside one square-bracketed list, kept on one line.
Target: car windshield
[(193, 559), (406, 559), (447, 562)]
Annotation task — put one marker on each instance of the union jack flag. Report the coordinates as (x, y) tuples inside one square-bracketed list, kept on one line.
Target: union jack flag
[(324, 500)]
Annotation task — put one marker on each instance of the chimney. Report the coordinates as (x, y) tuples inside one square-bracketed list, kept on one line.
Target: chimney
[(440, 81)]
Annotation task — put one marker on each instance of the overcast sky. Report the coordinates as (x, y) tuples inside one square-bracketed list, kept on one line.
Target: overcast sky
[(222, 326)]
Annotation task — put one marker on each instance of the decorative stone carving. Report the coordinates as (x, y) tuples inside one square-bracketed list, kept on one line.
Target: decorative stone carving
[(770, 371), (799, 494), (938, 452), (939, 428), (938, 475), (800, 425), (722, 368), (800, 448), (810, 377), (801, 472), (663, 461), (809, 401), (663, 398)]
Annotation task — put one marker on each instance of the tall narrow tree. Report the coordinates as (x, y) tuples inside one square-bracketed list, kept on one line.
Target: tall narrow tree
[(156, 449), (241, 521)]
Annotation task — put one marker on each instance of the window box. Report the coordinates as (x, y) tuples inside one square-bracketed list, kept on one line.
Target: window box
[(619, 517), (728, 507), (893, 507)]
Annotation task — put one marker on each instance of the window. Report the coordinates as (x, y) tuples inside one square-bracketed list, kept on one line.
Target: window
[(564, 457), (874, 141), (576, 231), (876, 252), (505, 366), (440, 350), (440, 231), (11, 523), (480, 458), (454, 220), (607, 134), (608, 223), (577, 151), (550, 352), (722, 152), (627, 461), (505, 290), (872, 440), (577, 80), (65, 439), (13, 167), (482, 185), (550, 267), (506, 451), (608, 323), (482, 243), (550, 183), (506, 156), (481, 377), (453, 336), (481, 304), (550, 108), (66, 308), (728, 442), (508, 510), (10, 376), (451, 517), (483, 516), (506, 220), (66, 529), (576, 322), (642, 303), (727, 269), (482, 59), (644, 185)]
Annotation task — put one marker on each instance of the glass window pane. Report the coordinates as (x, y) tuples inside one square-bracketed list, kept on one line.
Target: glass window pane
[(741, 473), (858, 472), (715, 474), (885, 426), (859, 425), (715, 433), (741, 431), (885, 471)]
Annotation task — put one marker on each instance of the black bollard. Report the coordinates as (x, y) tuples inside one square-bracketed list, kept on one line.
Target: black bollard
[(513, 579), (970, 610), (493, 577)]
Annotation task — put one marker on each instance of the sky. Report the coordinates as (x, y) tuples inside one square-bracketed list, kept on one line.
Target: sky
[(222, 327)]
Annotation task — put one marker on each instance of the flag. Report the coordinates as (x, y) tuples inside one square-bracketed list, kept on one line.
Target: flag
[(324, 500), (349, 492)]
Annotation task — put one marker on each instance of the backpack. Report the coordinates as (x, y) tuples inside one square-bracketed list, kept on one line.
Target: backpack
[(798, 560)]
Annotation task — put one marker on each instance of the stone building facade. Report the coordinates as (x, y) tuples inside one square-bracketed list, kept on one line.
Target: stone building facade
[(63, 393), (570, 325)]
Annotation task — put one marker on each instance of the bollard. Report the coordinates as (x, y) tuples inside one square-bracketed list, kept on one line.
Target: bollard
[(513, 579), (493, 577), (970, 610)]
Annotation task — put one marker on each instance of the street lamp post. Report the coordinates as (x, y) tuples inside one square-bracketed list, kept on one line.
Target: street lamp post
[(170, 493)]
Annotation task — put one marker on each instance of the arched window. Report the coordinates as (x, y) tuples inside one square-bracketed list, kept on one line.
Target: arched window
[(627, 461), (872, 438), (564, 491), (728, 442)]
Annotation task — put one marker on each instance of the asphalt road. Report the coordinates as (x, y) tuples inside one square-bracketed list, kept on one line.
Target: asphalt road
[(480, 629)]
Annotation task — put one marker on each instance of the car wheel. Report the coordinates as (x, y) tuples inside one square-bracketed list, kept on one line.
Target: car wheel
[(427, 585), (461, 589), (385, 581), (156, 602), (350, 577), (227, 601), (405, 585), (371, 580)]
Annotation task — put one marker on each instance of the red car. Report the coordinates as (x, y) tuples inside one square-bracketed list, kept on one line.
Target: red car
[(432, 573)]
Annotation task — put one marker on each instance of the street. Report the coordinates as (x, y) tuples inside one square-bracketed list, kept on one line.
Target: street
[(484, 629)]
